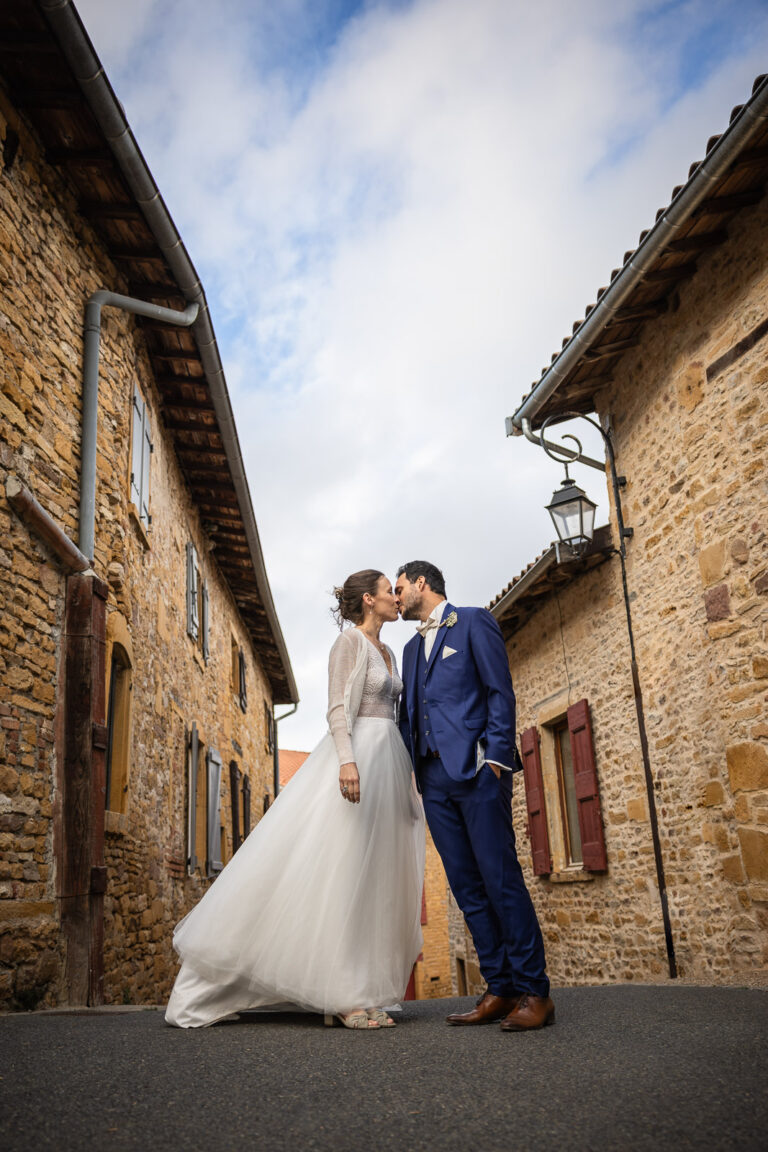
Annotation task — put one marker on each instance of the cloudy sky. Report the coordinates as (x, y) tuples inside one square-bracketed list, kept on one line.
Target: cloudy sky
[(398, 208)]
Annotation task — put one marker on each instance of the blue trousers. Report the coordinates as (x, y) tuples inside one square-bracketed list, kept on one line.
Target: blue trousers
[(471, 826)]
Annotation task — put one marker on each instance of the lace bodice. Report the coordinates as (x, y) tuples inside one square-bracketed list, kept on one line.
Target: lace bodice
[(380, 691)]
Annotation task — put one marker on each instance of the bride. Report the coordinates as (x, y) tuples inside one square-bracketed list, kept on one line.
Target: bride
[(319, 909)]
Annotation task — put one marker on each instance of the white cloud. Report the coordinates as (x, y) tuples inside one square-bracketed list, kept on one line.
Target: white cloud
[(394, 235)]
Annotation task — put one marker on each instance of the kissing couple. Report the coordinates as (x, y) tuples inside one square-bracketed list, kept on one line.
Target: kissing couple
[(320, 907)]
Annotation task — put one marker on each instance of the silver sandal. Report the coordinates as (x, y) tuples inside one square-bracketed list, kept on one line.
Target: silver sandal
[(380, 1017)]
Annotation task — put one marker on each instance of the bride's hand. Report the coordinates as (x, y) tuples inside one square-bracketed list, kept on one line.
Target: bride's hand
[(349, 782)]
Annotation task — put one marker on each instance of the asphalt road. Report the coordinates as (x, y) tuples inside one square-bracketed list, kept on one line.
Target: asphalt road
[(626, 1067)]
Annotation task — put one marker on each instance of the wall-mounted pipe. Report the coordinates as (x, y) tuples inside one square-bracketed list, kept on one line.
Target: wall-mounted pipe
[(276, 750), (96, 302), (28, 509)]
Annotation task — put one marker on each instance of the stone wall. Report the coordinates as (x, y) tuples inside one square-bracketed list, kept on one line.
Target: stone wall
[(691, 438), (50, 262), (434, 976)]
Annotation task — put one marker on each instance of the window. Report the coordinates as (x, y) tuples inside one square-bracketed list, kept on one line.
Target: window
[(203, 807), (569, 809), (118, 729), (141, 452), (581, 826), (197, 604)]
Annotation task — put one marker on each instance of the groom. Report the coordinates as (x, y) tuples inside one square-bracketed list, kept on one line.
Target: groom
[(457, 718)]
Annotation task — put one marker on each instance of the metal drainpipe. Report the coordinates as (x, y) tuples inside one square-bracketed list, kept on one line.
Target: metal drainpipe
[(275, 750), (96, 302)]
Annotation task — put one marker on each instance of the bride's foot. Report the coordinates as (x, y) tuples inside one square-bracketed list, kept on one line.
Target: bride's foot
[(357, 1019), (380, 1017)]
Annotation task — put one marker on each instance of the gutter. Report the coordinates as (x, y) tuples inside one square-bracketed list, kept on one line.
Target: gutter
[(743, 127), (107, 110)]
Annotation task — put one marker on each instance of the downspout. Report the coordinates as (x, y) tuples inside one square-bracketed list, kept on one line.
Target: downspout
[(276, 750), (744, 126), (96, 302)]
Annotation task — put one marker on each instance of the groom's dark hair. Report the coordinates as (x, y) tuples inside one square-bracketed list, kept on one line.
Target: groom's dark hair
[(432, 575)]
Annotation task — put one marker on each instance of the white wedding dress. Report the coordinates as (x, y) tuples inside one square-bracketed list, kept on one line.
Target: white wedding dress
[(320, 908)]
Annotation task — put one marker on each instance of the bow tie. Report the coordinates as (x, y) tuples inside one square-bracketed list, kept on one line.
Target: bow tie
[(427, 626)]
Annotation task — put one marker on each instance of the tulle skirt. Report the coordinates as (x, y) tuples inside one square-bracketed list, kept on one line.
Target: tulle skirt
[(320, 908)]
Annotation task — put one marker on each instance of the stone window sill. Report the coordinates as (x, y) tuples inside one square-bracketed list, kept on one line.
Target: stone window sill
[(141, 531), (115, 823), (571, 876)]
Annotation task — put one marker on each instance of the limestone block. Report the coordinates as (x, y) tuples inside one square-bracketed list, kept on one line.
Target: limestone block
[(747, 766), (713, 794), (739, 550), (754, 853), (637, 809), (760, 667), (690, 386), (713, 562)]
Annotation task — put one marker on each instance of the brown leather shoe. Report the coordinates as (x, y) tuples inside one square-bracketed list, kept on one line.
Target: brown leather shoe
[(529, 1012), (488, 1009)]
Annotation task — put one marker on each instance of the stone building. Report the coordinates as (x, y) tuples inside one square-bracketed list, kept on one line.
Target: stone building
[(672, 358), (139, 668)]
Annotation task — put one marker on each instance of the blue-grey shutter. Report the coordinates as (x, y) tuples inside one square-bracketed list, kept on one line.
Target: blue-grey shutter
[(144, 515), (193, 624), (137, 445), (206, 636), (192, 800), (214, 863)]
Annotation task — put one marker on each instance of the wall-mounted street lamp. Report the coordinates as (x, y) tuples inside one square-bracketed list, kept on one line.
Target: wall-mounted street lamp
[(573, 514)]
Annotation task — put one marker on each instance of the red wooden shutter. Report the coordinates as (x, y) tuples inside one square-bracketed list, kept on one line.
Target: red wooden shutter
[(586, 787), (423, 905), (534, 799)]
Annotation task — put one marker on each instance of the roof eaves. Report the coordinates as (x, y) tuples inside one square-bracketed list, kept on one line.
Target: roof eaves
[(722, 150), (77, 49)]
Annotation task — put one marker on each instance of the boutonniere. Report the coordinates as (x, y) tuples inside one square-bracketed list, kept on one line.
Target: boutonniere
[(449, 621)]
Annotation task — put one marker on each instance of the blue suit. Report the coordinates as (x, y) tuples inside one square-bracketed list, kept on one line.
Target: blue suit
[(461, 696)]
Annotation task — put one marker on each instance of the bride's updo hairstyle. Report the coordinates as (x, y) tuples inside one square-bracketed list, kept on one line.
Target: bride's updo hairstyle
[(349, 597)]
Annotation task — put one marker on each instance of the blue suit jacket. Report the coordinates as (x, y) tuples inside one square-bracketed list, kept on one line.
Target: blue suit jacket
[(469, 693)]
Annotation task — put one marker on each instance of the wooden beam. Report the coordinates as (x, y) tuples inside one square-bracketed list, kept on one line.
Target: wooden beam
[(52, 98), (28, 42), (180, 425), (74, 156), (176, 356), (751, 156), (137, 254), (719, 205), (186, 405), (697, 243), (669, 275), (96, 210), (605, 350), (639, 312), (150, 289)]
